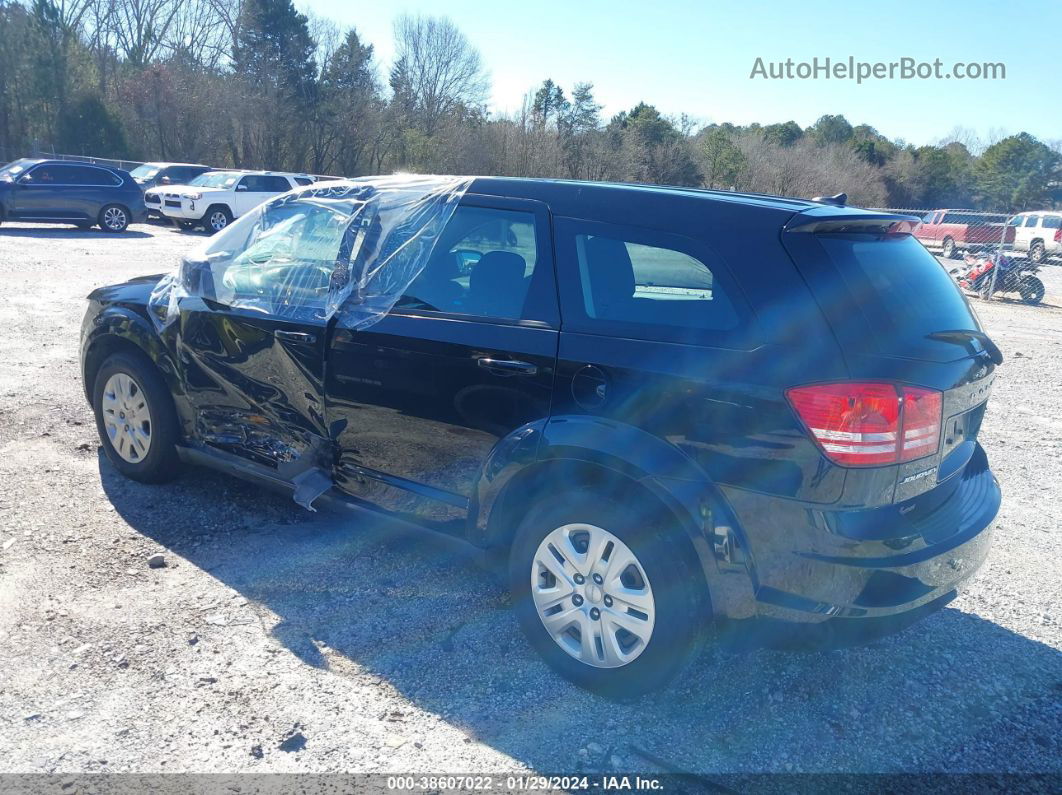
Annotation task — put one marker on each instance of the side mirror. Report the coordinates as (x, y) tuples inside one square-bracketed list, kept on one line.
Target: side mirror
[(25, 179), (165, 181), (241, 186)]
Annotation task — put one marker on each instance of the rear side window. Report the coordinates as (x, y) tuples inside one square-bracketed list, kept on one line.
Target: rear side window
[(1052, 222), (276, 184), (643, 284), (1031, 220)]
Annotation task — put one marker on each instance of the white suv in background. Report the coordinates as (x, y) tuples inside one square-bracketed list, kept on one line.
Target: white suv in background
[(1039, 232), (215, 198)]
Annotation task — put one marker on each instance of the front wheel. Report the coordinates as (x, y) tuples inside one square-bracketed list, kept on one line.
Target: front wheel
[(610, 598), (216, 219), (1037, 252), (135, 418), (113, 218), (1031, 290)]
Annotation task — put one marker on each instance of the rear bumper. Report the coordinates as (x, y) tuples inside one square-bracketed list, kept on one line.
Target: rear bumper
[(808, 567)]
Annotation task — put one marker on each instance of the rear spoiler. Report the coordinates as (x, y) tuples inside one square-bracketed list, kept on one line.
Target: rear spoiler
[(828, 219)]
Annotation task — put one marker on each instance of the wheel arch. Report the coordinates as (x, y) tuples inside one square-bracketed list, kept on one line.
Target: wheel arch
[(118, 329), (624, 461)]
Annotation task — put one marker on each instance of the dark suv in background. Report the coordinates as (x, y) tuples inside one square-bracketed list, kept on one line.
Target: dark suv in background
[(148, 175), (671, 410), (66, 192)]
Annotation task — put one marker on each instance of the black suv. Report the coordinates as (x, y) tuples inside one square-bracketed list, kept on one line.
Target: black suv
[(673, 412), (66, 192)]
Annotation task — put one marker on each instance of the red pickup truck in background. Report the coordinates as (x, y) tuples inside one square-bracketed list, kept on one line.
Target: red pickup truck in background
[(956, 231)]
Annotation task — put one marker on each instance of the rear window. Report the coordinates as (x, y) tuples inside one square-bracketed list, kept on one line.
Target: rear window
[(898, 289)]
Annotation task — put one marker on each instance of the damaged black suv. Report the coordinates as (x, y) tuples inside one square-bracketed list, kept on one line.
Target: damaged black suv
[(672, 411)]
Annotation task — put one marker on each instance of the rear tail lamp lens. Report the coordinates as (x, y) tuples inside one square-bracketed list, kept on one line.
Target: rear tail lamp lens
[(870, 423)]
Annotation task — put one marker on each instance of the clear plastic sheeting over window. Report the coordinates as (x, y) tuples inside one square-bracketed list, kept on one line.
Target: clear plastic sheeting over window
[(355, 244)]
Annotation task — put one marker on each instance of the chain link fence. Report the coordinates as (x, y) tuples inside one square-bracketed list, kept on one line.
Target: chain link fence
[(991, 255), (994, 254)]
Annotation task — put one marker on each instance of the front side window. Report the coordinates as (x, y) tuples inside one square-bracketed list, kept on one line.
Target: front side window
[(482, 266), (51, 175), (644, 284)]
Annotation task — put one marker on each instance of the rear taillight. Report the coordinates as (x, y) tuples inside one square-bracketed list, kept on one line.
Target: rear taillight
[(870, 424), (1058, 235)]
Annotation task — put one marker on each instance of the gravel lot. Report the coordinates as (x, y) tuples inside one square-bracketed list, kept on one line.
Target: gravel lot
[(279, 640)]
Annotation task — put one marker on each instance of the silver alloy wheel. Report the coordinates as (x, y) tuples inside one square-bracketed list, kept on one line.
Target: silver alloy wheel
[(127, 417), (218, 220), (114, 218), (592, 595)]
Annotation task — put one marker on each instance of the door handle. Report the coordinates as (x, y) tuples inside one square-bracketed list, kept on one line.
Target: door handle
[(507, 366), (302, 337)]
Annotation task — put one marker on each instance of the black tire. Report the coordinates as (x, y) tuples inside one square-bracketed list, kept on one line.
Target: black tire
[(949, 250), (113, 218), (1037, 251), (682, 609), (1031, 290), (985, 291), (160, 463), (216, 218)]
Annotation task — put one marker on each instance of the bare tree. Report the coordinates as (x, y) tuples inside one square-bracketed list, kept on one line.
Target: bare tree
[(441, 69), (199, 33), (141, 28)]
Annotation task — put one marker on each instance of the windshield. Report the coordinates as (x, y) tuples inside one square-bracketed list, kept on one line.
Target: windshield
[(216, 179), (13, 169), (144, 172)]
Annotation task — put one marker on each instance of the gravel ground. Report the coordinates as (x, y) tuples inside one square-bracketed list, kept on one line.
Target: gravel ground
[(278, 640)]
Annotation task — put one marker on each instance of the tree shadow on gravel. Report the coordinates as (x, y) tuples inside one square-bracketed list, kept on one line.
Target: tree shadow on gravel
[(953, 693)]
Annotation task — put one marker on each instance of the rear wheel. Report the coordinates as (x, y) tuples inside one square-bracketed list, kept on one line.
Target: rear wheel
[(1031, 290), (950, 252), (217, 218), (1037, 251), (113, 218), (135, 418), (609, 597)]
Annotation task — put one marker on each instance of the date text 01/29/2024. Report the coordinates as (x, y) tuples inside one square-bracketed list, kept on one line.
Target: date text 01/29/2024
[(517, 783)]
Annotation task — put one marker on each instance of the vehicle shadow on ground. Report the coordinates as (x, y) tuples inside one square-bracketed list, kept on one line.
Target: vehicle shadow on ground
[(69, 232), (420, 615)]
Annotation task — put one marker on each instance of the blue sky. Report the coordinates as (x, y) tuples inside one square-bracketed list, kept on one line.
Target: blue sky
[(696, 57)]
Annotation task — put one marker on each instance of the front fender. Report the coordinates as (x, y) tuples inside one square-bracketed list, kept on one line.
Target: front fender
[(114, 327)]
